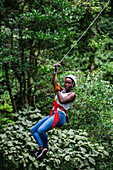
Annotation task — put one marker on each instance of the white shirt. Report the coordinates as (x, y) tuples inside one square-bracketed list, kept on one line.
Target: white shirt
[(66, 105)]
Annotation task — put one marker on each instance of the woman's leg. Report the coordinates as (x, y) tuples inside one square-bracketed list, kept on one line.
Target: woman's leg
[(39, 133), (40, 129), (34, 131), (44, 128)]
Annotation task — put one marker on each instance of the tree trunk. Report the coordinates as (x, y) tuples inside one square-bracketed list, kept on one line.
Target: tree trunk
[(30, 72), (9, 87), (91, 63), (23, 79), (16, 72), (36, 80), (29, 88)]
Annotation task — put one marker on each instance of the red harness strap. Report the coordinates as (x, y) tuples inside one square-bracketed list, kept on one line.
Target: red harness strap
[(56, 117)]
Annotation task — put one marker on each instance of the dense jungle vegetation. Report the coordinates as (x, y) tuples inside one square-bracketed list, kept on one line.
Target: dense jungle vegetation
[(35, 35)]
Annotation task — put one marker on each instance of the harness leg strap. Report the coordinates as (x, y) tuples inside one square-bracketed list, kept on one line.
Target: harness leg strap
[(56, 116)]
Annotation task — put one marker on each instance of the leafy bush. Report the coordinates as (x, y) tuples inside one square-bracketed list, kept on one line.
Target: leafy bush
[(73, 149), (5, 109), (92, 108), (108, 71), (68, 148)]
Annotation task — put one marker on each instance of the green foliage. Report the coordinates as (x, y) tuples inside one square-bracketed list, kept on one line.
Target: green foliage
[(34, 36), (67, 148), (108, 71), (5, 102), (37, 34), (92, 108), (16, 137), (74, 150)]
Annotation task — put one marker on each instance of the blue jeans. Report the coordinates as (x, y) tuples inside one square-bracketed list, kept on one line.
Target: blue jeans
[(44, 125)]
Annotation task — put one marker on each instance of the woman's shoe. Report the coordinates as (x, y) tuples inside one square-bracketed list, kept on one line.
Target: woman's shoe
[(40, 153)]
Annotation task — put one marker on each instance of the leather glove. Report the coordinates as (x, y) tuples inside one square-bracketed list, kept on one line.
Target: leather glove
[(57, 88)]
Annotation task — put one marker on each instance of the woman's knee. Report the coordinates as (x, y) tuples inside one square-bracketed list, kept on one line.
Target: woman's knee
[(40, 130)]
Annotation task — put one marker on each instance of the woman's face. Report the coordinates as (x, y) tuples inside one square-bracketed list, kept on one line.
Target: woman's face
[(68, 83)]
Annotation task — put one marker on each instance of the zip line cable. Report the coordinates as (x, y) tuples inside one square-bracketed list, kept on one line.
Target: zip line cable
[(85, 31)]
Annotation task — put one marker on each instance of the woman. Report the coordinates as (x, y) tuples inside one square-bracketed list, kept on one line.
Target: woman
[(63, 99)]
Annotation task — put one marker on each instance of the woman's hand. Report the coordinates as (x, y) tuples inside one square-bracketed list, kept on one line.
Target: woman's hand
[(57, 88)]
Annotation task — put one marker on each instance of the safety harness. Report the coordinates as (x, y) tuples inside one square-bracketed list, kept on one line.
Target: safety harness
[(55, 104), (56, 115)]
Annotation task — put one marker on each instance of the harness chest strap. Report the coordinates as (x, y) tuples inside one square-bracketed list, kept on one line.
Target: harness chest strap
[(56, 116)]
